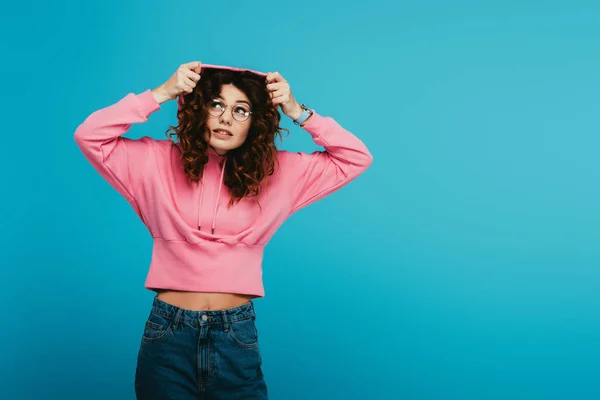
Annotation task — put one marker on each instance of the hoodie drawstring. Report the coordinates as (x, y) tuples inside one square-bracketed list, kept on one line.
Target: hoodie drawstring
[(216, 211), (200, 205)]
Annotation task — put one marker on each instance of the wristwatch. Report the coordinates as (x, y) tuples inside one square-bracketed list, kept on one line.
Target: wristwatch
[(306, 112)]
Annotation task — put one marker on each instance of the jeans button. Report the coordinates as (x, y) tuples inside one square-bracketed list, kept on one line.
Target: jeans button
[(204, 317)]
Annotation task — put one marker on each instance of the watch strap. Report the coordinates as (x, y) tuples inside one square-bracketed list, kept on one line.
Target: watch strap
[(306, 112)]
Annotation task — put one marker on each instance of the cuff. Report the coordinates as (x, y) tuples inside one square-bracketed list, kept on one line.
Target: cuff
[(313, 123), (147, 102)]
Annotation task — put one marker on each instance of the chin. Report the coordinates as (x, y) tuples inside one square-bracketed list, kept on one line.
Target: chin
[(219, 145)]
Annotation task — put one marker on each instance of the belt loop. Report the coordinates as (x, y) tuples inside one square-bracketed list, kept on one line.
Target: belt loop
[(225, 320), (177, 318)]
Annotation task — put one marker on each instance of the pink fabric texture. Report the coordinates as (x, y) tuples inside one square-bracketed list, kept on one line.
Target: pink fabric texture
[(199, 243)]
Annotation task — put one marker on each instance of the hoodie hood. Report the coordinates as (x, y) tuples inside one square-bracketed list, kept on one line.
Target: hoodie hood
[(212, 154), (209, 66)]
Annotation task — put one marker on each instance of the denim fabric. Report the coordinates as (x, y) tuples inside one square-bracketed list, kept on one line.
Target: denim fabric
[(208, 354)]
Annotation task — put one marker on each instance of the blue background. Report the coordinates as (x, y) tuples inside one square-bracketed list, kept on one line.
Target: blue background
[(464, 264)]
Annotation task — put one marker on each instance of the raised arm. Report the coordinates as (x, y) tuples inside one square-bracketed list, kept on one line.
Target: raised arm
[(311, 177), (120, 160)]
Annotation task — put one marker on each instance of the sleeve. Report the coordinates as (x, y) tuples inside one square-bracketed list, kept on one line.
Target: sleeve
[(119, 160), (312, 176)]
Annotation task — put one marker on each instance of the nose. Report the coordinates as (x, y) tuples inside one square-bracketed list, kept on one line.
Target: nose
[(226, 117)]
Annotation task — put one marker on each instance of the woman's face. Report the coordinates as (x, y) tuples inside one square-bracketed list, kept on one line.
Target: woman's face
[(226, 132)]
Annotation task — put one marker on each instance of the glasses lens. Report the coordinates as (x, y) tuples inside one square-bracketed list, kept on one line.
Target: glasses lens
[(241, 113), (215, 108)]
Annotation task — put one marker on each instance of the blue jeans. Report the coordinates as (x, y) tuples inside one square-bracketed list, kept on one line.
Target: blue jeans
[(208, 354)]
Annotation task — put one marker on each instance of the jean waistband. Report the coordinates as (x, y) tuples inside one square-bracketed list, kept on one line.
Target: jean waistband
[(202, 317)]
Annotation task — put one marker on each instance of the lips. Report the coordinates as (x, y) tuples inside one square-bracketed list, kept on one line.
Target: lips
[(223, 132)]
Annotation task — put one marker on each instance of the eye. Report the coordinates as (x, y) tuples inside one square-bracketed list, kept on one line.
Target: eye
[(242, 110), (216, 105)]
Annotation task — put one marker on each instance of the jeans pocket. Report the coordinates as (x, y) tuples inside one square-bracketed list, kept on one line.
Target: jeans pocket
[(244, 333), (156, 328)]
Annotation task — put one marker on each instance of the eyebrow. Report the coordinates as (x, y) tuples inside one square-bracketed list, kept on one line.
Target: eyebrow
[(239, 101)]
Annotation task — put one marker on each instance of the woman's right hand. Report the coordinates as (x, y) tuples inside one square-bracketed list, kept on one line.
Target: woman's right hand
[(183, 81)]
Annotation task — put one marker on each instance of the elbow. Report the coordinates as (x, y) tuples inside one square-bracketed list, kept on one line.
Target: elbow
[(367, 160), (85, 135), (358, 165), (84, 139), (79, 135)]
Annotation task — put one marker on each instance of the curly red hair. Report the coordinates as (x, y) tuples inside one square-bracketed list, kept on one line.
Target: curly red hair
[(248, 166)]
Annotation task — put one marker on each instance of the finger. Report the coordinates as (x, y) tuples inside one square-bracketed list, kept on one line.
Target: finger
[(280, 98), (279, 93), (190, 82), (275, 94), (276, 86), (196, 66), (192, 75), (274, 77), (271, 78), (188, 85)]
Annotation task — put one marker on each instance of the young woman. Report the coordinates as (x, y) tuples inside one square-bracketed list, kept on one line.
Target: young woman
[(211, 201)]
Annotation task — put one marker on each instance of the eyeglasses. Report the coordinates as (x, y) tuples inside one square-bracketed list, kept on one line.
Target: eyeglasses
[(239, 112)]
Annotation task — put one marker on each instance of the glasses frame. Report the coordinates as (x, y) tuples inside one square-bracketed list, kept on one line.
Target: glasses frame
[(226, 106)]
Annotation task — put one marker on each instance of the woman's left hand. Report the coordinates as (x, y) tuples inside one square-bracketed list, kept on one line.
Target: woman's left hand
[(280, 93)]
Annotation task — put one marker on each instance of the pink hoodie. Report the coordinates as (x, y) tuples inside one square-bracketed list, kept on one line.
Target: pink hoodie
[(199, 243)]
